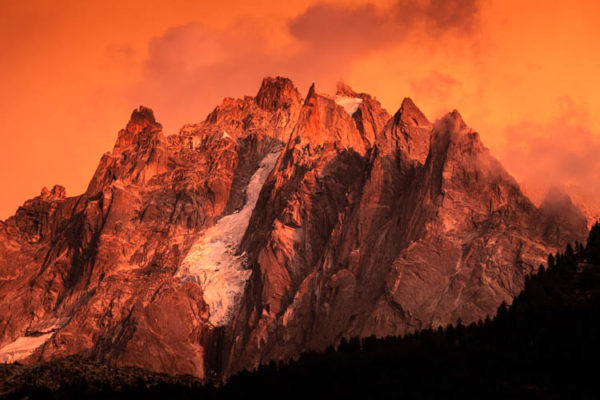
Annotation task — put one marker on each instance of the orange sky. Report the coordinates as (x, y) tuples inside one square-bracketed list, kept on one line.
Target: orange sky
[(524, 76)]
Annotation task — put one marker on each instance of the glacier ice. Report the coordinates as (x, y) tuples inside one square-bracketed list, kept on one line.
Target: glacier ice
[(213, 261), (350, 104)]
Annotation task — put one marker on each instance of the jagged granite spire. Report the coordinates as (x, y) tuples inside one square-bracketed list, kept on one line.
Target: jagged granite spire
[(275, 93)]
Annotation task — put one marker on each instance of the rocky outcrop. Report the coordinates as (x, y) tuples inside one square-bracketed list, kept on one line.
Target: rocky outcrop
[(421, 230), (275, 226), (562, 220)]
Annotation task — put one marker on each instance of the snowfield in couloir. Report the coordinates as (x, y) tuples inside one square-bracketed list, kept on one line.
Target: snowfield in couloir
[(22, 347), (213, 261)]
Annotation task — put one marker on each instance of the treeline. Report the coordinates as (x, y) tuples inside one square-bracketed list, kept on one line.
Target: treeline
[(545, 345)]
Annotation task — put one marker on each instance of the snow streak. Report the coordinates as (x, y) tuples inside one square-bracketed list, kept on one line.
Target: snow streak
[(213, 261), (22, 347), (350, 104)]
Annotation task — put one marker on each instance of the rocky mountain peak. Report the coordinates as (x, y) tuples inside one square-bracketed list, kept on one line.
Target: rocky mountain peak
[(451, 130), (344, 89), (456, 120), (370, 117), (311, 94), (451, 126), (58, 192), (276, 93), (408, 131), (561, 217), (273, 112), (410, 115), (141, 118), (141, 129), (349, 99), (324, 120)]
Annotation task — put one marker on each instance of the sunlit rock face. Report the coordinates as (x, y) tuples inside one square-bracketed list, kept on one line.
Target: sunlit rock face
[(213, 260), (276, 225)]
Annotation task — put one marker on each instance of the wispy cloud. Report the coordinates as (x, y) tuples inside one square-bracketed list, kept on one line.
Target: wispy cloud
[(562, 153)]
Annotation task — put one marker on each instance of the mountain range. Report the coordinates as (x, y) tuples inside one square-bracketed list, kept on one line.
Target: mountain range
[(279, 224)]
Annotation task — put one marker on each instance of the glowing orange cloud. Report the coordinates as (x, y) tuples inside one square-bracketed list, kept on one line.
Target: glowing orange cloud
[(72, 72)]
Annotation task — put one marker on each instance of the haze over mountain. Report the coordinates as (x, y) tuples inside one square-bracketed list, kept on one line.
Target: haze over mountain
[(277, 225)]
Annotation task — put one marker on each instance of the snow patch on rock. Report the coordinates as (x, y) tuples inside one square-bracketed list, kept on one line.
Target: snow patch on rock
[(213, 261), (350, 104), (22, 347)]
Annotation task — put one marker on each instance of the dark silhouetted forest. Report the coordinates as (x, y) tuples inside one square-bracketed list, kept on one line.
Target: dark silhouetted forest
[(546, 345)]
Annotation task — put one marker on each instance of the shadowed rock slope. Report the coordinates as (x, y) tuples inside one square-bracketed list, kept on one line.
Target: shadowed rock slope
[(541, 347)]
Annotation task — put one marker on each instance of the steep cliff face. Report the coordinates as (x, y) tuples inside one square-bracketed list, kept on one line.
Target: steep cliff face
[(421, 229), (101, 272), (274, 226)]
